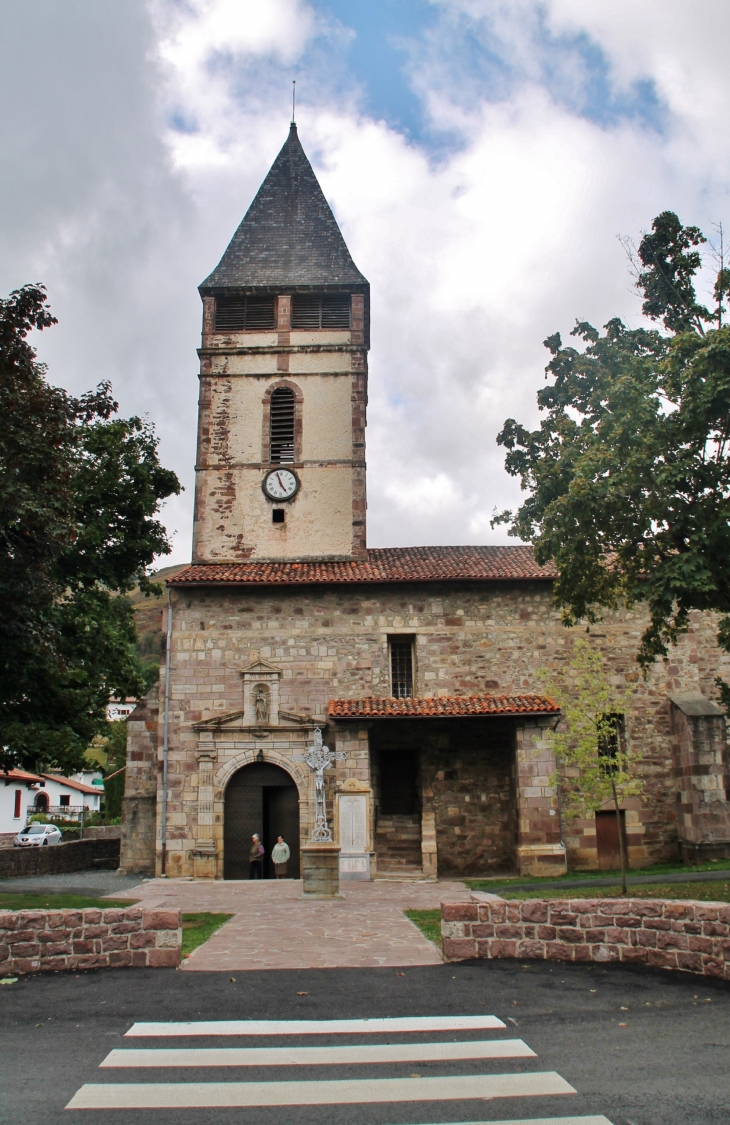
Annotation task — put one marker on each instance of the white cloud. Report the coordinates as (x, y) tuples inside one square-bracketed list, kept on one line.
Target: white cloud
[(140, 139)]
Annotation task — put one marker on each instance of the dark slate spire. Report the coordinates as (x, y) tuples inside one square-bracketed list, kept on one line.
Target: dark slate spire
[(289, 236)]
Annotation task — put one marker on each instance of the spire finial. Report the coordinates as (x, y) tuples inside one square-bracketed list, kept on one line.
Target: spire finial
[(294, 102)]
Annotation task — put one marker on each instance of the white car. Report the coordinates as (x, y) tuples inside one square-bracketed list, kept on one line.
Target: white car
[(36, 835)]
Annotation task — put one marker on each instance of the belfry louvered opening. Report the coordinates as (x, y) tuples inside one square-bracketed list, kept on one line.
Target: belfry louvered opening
[(236, 314), (281, 426), (320, 310)]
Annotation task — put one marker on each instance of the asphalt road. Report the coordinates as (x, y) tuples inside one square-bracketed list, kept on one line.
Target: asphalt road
[(641, 1047)]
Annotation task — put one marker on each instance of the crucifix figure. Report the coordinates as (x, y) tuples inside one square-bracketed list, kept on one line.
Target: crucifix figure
[(319, 758)]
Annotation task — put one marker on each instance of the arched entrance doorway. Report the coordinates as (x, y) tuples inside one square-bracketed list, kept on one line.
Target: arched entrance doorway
[(41, 802), (261, 798)]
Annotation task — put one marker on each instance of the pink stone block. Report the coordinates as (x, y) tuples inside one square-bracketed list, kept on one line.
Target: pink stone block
[(450, 912), (503, 948), (110, 916), (558, 951), (507, 932), (690, 962), (678, 910), (172, 919), (700, 945), (126, 927), (582, 953), (458, 949), (662, 958), (482, 930), (170, 958), (139, 959), (534, 911), (672, 941), (120, 960), (56, 948), (547, 933), (532, 950), (570, 934)]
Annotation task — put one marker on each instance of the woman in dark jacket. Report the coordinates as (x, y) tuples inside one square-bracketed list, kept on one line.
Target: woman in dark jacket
[(256, 859)]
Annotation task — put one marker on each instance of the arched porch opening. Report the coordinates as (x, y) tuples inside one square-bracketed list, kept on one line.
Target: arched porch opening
[(261, 798)]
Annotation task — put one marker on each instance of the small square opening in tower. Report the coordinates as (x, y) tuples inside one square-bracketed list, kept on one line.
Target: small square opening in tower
[(277, 515)]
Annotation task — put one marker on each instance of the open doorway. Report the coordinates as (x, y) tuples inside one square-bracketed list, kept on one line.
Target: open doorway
[(398, 829), (260, 798)]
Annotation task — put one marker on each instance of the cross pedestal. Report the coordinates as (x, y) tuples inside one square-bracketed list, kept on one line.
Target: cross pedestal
[(321, 871)]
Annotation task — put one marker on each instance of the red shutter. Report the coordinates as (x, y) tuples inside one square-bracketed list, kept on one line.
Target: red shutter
[(18, 800)]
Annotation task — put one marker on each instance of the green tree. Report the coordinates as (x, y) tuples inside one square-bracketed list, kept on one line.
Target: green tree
[(596, 760), (80, 489), (628, 474), (116, 749)]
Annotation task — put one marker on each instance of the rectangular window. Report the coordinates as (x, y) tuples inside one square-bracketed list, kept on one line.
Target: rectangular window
[(610, 742), (18, 804), (401, 667), (238, 314), (320, 310), (64, 800)]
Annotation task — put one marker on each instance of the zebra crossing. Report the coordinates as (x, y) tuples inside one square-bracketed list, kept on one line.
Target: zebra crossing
[(374, 1090)]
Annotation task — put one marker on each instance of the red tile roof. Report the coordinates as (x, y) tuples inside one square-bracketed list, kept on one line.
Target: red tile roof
[(71, 783), (19, 775), (389, 564), (444, 707)]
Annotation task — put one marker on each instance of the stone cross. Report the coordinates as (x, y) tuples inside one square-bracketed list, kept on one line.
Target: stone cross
[(319, 758)]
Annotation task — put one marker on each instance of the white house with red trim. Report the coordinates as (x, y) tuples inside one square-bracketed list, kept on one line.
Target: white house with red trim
[(22, 793)]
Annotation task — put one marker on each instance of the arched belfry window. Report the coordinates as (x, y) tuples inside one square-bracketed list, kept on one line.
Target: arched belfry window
[(281, 427)]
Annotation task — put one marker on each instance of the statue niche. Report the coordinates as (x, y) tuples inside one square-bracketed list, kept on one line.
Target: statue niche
[(261, 703)]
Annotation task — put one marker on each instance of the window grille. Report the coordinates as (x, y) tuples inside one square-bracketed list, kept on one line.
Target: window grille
[(320, 310), (401, 669), (281, 427), (610, 743), (236, 314)]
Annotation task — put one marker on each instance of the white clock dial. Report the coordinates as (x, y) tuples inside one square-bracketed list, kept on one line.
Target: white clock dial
[(281, 484)]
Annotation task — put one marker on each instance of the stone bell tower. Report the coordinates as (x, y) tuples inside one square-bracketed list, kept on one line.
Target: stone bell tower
[(280, 469)]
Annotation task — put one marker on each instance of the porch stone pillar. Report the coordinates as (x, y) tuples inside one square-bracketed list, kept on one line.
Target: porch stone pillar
[(539, 850), (205, 851), (701, 772)]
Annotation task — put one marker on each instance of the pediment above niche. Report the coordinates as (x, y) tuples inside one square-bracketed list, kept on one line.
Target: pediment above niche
[(238, 721), (257, 667)]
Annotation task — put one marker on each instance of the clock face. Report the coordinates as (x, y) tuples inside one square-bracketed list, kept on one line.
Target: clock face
[(281, 484)]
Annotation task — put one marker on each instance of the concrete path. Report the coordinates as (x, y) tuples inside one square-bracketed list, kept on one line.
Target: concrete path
[(273, 928)]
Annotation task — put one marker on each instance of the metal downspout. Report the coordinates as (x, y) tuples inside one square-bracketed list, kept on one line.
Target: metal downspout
[(166, 733)]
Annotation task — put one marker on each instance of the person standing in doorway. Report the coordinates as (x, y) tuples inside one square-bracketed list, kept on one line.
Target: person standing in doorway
[(280, 855), (256, 858)]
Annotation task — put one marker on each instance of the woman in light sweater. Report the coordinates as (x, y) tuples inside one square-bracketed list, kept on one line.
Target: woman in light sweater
[(280, 854)]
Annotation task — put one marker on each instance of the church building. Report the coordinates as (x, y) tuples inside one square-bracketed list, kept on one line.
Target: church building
[(419, 666)]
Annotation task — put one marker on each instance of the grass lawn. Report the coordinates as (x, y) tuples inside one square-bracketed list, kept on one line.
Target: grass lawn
[(710, 891), (32, 900), (197, 928), (719, 865), (428, 922)]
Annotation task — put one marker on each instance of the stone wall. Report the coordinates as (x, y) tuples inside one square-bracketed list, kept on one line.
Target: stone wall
[(45, 941), (77, 855), (327, 642), (691, 936)]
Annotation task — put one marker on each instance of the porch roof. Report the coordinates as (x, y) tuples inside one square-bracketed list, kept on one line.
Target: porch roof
[(443, 707)]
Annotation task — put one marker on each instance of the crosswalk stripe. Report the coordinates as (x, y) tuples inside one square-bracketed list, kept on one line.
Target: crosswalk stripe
[(208, 1095), (317, 1027), (590, 1120), (313, 1056)]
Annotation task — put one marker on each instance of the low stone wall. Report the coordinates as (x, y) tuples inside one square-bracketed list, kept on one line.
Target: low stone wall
[(691, 936), (103, 832), (77, 855), (44, 941)]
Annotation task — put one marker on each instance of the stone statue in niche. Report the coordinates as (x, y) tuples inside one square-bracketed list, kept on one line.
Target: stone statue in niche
[(261, 704)]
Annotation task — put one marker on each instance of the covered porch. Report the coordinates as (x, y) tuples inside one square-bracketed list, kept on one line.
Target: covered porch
[(460, 785)]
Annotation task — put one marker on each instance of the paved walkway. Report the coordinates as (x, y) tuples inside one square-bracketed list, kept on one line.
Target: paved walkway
[(273, 928)]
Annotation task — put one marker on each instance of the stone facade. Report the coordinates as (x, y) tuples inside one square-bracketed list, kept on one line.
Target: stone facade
[(486, 799), (690, 936)]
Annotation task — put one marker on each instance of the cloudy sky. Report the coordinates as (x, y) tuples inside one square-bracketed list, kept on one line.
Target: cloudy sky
[(481, 156)]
